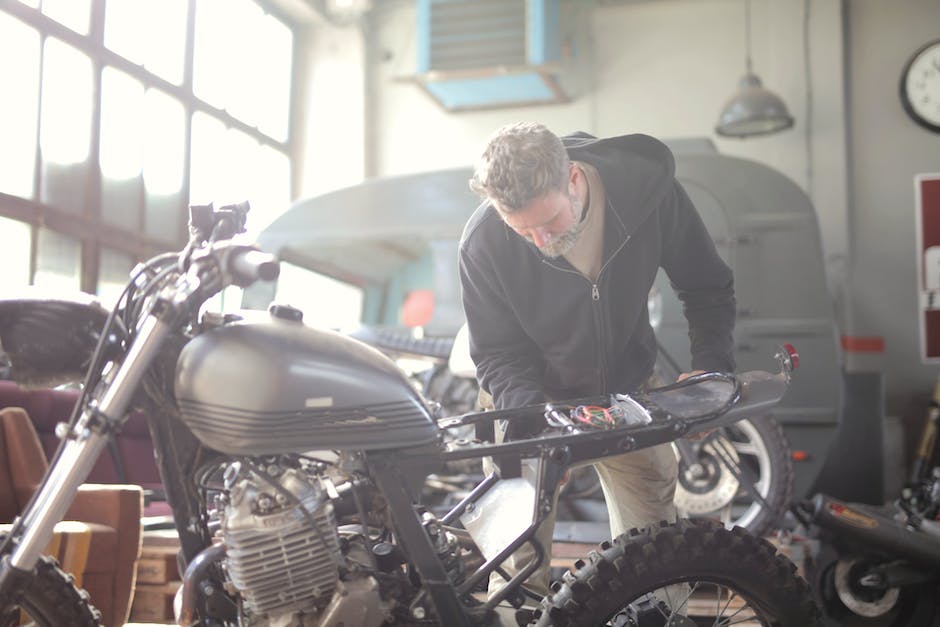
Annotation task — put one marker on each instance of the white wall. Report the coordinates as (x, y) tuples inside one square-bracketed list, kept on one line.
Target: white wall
[(330, 119)]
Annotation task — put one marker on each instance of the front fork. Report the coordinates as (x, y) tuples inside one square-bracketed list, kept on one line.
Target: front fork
[(85, 443)]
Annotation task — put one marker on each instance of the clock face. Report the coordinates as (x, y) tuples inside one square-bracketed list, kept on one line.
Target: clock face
[(920, 87)]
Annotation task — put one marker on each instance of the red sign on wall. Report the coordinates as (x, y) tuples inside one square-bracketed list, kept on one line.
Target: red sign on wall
[(927, 202)]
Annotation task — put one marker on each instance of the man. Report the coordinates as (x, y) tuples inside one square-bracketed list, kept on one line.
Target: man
[(555, 268)]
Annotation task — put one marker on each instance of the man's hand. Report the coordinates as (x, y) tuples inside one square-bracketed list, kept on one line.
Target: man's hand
[(686, 375)]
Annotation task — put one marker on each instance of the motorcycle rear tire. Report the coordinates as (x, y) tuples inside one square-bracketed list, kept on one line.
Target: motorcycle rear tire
[(644, 560), (52, 600)]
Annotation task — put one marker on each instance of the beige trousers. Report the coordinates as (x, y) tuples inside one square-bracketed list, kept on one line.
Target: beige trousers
[(639, 489)]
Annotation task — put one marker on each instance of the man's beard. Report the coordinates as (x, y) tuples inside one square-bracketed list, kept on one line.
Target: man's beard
[(561, 244)]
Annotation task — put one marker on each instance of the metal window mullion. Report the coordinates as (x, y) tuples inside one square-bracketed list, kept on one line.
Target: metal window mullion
[(78, 226), (37, 166), (293, 110), (90, 245), (188, 107)]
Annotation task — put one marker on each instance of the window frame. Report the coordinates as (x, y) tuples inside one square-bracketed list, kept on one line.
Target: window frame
[(88, 225)]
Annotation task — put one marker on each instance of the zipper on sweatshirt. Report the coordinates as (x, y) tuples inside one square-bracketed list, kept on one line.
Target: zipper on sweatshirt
[(595, 284), (602, 334)]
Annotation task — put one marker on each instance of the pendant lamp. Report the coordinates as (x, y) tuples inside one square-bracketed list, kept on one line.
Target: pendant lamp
[(752, 110)]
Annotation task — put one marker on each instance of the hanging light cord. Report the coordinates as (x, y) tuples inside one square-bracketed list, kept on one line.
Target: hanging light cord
[(807, 76), (747, 33)]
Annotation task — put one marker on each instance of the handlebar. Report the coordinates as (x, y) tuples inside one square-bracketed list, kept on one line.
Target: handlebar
[(248, 265)]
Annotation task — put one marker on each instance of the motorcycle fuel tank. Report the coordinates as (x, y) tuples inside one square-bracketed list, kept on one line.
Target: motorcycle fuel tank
[(279, 386)]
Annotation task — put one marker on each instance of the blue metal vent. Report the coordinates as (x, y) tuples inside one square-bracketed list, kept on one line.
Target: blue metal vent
[(475, 54)]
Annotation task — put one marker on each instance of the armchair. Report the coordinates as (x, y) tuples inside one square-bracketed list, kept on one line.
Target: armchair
[(109, 537)]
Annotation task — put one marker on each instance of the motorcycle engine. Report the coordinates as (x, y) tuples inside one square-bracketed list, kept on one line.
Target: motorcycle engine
[(282, 543)]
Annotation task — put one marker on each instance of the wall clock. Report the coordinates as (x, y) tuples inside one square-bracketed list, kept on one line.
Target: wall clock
[(920, 86)]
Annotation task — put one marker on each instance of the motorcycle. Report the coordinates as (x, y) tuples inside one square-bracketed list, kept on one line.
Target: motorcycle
[(881, 565), (293, 458)]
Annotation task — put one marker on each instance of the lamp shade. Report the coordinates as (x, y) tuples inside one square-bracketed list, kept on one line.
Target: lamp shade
[(753, 110)]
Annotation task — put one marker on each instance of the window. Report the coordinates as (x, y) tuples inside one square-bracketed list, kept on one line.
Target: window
[(229, 160), (114, 268), (73, 14), (14, 255), (149, 33), (251, 82), (19, 115), (103, 83), (65, 121), (120, 158), (58, 261)]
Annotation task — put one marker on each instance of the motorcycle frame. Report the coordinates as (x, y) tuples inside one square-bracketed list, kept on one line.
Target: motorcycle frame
[(555, 453)]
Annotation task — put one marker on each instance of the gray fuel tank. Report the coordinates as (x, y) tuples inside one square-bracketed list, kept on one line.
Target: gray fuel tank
[(278, 386)]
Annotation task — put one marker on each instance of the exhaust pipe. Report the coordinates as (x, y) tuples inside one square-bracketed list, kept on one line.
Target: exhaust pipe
[(876, 531)]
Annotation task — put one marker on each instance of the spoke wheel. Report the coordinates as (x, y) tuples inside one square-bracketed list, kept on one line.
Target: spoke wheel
[(726, 577), (708, 489), (51, 600)]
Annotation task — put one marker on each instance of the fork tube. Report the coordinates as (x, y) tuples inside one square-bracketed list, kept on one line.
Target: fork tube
[(86, 442)]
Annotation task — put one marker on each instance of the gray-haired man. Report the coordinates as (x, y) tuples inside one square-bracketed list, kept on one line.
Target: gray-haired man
[(555, 268)]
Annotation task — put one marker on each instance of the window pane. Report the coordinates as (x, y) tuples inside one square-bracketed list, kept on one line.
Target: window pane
[(271, 194), (14, 255), (19, 115), (250, 82), (208, 137), (274, 80), (325, 302), (237, 178), (58, 262), (164, 143), (164, 154), (150, 33), (122, 100), (228, 166), (71, 13), (114, 270), (65, 123), (214, 70)]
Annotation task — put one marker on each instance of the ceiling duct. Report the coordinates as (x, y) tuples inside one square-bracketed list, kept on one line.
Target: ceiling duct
[(476, 54)]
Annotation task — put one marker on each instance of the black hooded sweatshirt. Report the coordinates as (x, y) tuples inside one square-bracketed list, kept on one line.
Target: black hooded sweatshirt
[(540, 330)]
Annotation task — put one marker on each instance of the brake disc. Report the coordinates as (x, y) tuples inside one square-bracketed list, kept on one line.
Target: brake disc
[(708, 488), (867, 602)]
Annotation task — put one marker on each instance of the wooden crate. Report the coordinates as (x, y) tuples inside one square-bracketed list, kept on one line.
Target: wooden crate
[(153, 603), (157, 578), (157, 565)]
